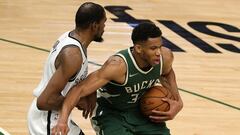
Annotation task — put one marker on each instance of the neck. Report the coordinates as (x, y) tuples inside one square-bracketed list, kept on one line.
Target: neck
[(140, 62), (83, 37)]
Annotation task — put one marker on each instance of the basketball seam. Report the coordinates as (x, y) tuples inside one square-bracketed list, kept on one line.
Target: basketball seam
[(153, 97), (155, 107)]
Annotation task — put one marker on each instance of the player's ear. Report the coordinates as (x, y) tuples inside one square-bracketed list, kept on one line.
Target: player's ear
[(94, 26), (138, 48)]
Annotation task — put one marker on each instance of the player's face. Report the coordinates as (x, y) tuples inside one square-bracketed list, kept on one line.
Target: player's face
[(151, 51), (100, 30)]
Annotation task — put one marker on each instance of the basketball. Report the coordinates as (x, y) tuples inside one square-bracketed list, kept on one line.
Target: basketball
[(152, 99)]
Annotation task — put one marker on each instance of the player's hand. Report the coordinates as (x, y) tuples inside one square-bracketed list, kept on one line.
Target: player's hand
[(160, 116), (92, 100), (84, 106), (60, 129), (87, 105)]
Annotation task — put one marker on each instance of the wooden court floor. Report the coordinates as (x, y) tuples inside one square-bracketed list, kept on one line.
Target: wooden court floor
[(204, 36)]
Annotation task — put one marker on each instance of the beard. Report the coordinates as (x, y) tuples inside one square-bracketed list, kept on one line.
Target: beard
[(98, 38)]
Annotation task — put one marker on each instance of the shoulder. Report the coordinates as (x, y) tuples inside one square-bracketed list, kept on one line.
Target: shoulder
[(167, 54), (70, 57), (167, 59), (70, 51), (114, 68), (115, 63)]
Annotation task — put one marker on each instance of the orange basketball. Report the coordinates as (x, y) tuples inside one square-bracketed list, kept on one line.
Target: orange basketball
[(152, 99)]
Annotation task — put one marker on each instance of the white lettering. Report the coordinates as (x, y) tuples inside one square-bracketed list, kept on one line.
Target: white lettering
[(150, 84), (136, 87), (157, 81), (128, 89), (143, 84)]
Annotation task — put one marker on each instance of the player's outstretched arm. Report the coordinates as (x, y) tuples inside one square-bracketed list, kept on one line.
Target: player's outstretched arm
[(113, 69)]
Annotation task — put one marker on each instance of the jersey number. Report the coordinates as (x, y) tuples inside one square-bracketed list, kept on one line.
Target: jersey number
[(134, 98)]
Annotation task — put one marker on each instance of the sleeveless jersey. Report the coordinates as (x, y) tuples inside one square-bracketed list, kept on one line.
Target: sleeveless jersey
[(126, 96), (49, 69)]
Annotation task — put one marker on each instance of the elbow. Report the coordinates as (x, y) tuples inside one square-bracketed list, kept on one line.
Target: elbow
[(44, 103), (49, 104), (41, 104)]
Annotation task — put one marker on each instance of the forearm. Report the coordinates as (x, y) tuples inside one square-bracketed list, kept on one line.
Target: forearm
[(170, 81), (173, 83), (69, 103)]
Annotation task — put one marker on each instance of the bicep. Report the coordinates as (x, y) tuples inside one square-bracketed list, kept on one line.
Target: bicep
[(57, 82), (65, 70), (168, 78), (167, 68), (63, 74), (51, 97), (111, 71)]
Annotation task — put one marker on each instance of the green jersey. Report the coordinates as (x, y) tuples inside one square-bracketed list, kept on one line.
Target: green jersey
[(126, 96), (117, 111)]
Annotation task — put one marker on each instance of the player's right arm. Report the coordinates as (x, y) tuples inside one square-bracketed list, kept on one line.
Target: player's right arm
[(67, 63), (114, 69)]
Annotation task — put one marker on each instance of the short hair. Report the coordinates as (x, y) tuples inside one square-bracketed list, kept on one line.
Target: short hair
[(88, 13), (145, 30)]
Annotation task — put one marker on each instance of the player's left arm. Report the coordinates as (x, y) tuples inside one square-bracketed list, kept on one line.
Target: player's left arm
[(168, 79)]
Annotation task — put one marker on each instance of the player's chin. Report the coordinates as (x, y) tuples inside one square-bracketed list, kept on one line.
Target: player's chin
[(154, 63), (98, 39)]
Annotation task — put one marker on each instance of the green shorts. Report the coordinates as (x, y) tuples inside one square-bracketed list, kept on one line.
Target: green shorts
[(113, 122)]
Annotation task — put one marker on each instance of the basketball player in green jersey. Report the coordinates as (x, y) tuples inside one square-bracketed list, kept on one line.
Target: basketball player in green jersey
[(121, 81)]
